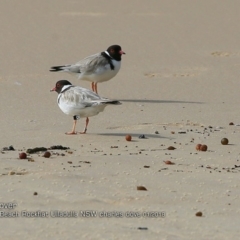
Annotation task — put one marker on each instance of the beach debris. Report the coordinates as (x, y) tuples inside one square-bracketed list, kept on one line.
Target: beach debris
[(23, 155), (156, 132), (142, 136), (43, 149), (35, 193), (169, 162), (128, 138), (114, 146), (58, 147), (11, 173), (10, 148), (145, 166), (172, 132), (75, 166), (47, 154), (141, 188), (70, 162), (203, 148), (198, 147), (231, 123), (142, 228), (182, 132), (36, 149), (163, 169), (85, 162), (224, 141), (31, 160), (198, 214), (171, 148)]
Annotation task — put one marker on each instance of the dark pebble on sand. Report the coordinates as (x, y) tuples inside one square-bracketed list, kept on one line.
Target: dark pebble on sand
[(23, 155), (141, 188), (10, 148), (224, 141), (171, 148), (142, 228), (47, 154), (198, 214)]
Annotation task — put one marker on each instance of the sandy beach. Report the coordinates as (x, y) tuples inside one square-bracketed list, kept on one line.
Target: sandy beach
[(179, 87)]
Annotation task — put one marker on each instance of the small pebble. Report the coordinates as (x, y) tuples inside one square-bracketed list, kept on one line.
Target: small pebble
[(224, 141), (142, 136), (198, 147), (128, 138), (171, 148), (198, 214), (35, 193), (169, 162), (22, 155), (47, 154), (141, 188), (203, 148)]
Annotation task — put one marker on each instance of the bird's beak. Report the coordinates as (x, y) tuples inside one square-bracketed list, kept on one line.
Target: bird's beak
[(53, 90), (122, 52)]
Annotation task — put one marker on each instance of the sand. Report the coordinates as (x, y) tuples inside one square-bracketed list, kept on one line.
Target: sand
[(179, 77)]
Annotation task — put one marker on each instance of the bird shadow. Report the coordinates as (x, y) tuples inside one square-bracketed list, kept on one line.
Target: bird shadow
[(134, 135), (157, 101)]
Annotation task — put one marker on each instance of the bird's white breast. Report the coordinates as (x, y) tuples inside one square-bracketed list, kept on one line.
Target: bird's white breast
[(102, 73)]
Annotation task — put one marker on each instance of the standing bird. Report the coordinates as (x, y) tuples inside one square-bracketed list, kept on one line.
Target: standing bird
[(96, 68), (79, 102)]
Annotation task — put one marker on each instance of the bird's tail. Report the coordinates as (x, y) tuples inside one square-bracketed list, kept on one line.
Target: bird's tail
[(57, 68)]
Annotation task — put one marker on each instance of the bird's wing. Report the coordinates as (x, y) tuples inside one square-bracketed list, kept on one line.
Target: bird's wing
[(92, 64), (81, 97)]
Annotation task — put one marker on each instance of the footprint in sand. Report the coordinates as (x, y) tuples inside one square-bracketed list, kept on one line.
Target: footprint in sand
[(13, 172), (221, 54), (177, 74)]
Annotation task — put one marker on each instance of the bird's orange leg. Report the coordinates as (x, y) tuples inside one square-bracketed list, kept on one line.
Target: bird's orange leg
[(73, 129), (96, 88), (85, 129)]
